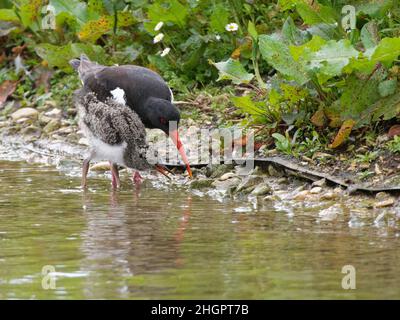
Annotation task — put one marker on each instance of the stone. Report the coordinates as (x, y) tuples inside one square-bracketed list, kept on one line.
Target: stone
[(31, 131), (261, 190), (25, 113), (227, 176), (43, 119), (217, 170), (384, 203), (55, 113), (319, 183), (330, 213), (328, 196), (316, 190), (201, 183), (226, 185), (100, 166), (249, 183), (83, 142), (302, 195), (53, 125), (273, 172)]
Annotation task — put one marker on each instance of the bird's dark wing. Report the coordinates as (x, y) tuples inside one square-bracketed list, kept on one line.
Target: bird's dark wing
[(137, 82)]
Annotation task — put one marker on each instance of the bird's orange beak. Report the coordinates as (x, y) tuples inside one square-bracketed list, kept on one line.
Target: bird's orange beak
[(175, 138)]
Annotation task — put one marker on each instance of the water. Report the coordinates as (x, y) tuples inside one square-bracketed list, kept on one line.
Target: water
[(170, 243)]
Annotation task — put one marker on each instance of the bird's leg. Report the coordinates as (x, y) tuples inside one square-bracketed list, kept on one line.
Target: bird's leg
[(85, 170), (114, 175), (137, 178)]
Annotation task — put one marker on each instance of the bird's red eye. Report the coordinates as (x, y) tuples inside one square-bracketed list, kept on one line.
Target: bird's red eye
[(163, 120)]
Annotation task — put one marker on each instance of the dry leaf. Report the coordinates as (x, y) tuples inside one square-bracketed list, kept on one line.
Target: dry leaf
[(343, 133), (394, 131), (6, 88)]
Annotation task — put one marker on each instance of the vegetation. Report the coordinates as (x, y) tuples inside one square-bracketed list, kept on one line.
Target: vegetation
[(310, 72)]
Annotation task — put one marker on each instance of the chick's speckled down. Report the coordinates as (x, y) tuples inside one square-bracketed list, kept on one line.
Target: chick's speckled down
[(115, 125)]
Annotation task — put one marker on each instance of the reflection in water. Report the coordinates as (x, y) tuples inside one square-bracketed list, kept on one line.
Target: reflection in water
[(152, 243), (116, 239)]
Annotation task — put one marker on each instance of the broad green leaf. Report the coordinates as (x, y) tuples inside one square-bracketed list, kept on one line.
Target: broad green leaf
[(168, 11), (247, 105), (29, 12), (277, 54), (329, 61), (316, 14), (59, 56), (251, 29), (387, 87), (234, 71), (73, 9), (369, 35), (357, 97), (387, 51), (219, 18), (8, 15), (375, 9), (306, 49), (292, 34), (324, 30)]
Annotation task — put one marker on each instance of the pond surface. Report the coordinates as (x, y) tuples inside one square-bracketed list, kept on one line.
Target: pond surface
[(171, 243)]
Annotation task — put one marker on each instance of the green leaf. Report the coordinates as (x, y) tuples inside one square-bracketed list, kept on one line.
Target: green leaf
[(330, 59), (168, 11), (234, 71), (59, 56), (369, 35), (387, 87), (316, 14), (292, 34), (387, 51), (306, 49), (73, 9), (8, 15), (251, 29), (247, 105), (277, 54), (219, 18)]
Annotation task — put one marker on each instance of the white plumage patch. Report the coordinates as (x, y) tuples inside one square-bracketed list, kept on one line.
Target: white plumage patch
[(118, 95), (172, 95), (104, 151)]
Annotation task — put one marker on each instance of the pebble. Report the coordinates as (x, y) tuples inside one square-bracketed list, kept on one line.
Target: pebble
[(316, 190), (261, 190), (83, 141), (25, 113), (385, 203), (319, 183), (227, 176), (54, 113), (101, 166), (249, 183), (328, 196), (53, 125), (273, 172), (302, 195)]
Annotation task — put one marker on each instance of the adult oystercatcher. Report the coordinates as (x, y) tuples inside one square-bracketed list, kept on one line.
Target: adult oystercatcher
[(115, 133), (141, 89)]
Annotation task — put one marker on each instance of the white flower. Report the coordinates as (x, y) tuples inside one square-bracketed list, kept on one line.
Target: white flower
[(158, 38), (218, 37), (165, 52), (158, 26), (231, 27)]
